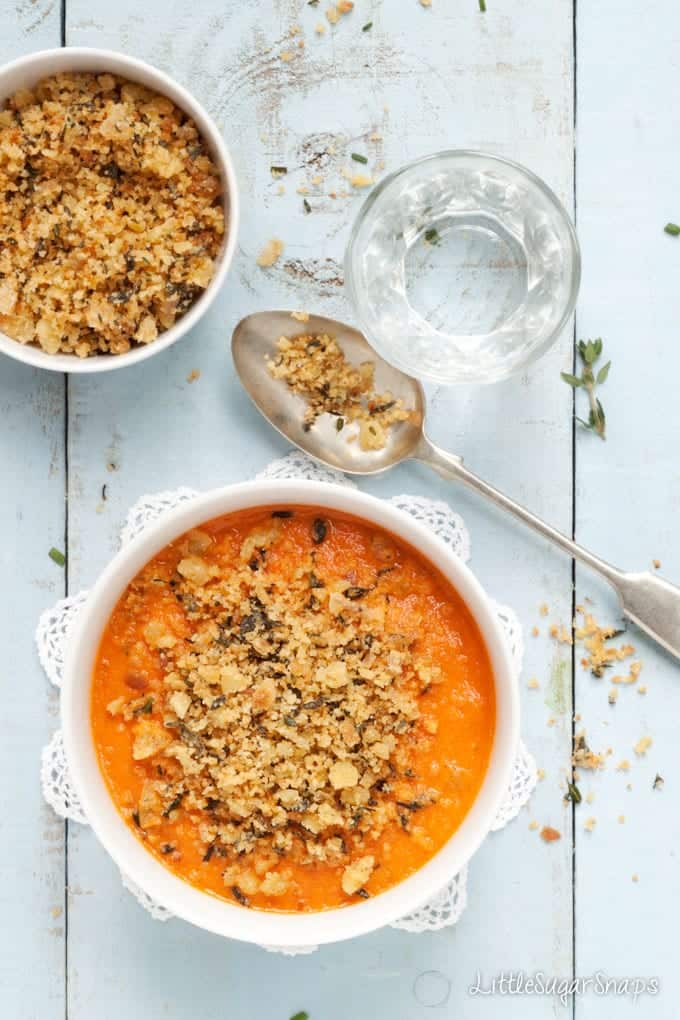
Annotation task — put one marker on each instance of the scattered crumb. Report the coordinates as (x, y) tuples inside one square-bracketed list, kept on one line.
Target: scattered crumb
[(358, 180), (333, 15), (658, 782), (302, 190), (56, 912), (642, 689), (317, 180), (656, 564), (320, 28), (613, 695), (577, 717), (550, 835), (425, 3), (635, 877), (590, 824), (286, 56), (642, 746), (561, 634), (590, 797), (271, 253), (533, 826), (535, 632), (194, 374), (632, 676), (533, 684), (281, 190), (550, 722), (623, 766), (583, 757), (544, 609), (300, 316), (621, 819), (540, 773), (600, 655), (629, 786)]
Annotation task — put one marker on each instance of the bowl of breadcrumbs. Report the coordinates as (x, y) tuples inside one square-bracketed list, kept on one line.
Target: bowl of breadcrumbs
[(118, 210)]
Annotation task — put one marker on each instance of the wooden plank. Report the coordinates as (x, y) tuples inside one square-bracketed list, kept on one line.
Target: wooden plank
[(628, 490), (424, 80), (31, 521)]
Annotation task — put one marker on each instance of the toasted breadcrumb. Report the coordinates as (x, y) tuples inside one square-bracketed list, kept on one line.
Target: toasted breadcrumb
[(540, 773), (110, 215), (300, 316), (316, 368), (635, 877), (194, 374), (642, 746), (613, 696), (535, 632), (358, 180), (550, 835), (590, 824), (656, 564), (621, 819), (533, 684), (590, 797), (561, 634), (286, 56), (320, 28), (533, 826), (544, 609), (642, 689), (623, 765), (271, 253), (583, 757)]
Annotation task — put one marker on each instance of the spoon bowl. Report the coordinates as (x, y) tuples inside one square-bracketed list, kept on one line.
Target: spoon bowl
[(254, 343)]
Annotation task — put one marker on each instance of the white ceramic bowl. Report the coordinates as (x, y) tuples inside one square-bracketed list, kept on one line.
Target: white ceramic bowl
[(28, 71), (204, 910)]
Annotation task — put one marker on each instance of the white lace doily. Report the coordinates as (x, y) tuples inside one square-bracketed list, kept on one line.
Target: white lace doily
[(55, 624)]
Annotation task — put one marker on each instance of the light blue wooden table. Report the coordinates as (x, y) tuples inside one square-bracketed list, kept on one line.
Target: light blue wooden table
[(585, 96)]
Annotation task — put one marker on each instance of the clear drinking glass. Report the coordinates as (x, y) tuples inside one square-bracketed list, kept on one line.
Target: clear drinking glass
[(462, 267)]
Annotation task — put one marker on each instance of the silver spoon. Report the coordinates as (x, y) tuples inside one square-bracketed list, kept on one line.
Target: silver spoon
[(649, 601)]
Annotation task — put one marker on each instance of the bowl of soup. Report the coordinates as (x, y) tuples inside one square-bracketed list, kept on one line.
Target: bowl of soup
[(289, 712)]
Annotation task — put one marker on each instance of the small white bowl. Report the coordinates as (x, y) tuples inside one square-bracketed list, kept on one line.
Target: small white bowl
[(184, 900), (27, 72)]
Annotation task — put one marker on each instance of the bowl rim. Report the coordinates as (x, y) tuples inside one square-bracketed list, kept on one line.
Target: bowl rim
[(134, 860), (77, 58), (455, 154)]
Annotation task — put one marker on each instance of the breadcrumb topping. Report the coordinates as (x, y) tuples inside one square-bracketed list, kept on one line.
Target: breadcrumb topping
[(316, 368), (110, 215)]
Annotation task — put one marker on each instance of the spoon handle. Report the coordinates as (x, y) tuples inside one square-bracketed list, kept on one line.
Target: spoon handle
[(647, 600)]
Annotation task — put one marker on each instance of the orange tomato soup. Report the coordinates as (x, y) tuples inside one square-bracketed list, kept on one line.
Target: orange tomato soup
[(292, 708)]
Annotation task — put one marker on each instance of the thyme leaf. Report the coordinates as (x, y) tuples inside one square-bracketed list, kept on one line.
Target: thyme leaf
[(673, 229), (573, 793), (358, 158), (57, 556), (589, 351)]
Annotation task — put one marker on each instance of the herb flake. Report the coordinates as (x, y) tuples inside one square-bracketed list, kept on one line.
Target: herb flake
[(573, 793), (672, 228), (57, 556), (358, 158), (367, 27)]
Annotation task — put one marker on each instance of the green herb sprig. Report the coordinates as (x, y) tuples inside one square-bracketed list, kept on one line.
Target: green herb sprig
[(673, 229), (302, 1015), (482, 6), (589, 351)]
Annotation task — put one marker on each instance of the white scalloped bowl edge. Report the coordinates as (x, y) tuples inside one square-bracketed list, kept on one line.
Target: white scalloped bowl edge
[(28, 71), (184, 900)]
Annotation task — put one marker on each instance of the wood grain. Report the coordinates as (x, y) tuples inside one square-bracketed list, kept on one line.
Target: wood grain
[(32, 860)]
